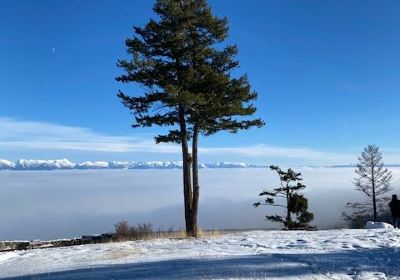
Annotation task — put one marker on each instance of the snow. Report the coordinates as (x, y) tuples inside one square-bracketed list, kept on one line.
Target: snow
[(377, 225), (6, 164), (230, 165), (7, 255), (38, 164), (93, 165), (333, 254), (119, 164), (156, 165), (29, 164)]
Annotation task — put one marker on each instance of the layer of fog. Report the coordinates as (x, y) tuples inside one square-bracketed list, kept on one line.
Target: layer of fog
[(58, 204)]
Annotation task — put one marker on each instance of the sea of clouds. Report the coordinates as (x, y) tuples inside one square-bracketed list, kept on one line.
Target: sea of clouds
[(69, 203)]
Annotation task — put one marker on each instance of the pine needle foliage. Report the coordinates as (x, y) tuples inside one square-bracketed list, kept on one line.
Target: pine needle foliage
[(185, 71), (288, 197)]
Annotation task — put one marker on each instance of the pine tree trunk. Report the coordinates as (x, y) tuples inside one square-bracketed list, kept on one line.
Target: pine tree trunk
[(196, 187), (187, 184)]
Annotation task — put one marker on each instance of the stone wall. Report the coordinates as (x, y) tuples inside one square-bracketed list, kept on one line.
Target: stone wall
[(86, 239)]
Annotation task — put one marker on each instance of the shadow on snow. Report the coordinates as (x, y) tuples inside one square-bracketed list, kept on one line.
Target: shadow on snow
[(350, 262)]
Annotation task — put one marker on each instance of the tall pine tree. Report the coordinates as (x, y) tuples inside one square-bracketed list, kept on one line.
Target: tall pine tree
[(188, 84)]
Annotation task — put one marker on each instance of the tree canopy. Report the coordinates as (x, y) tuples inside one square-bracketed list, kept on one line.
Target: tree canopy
[(186, 74), (177, 62), (373, 180), (287, 197)]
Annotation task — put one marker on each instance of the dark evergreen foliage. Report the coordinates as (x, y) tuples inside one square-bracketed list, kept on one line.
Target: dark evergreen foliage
[(287, 196), (373, 181), (186, 76)]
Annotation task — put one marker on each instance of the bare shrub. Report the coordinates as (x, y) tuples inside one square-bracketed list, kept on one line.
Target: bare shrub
[(124, 231), (141, 231)]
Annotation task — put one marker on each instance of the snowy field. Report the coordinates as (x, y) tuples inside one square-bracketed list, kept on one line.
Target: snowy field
[(70, 203), (332, 254)]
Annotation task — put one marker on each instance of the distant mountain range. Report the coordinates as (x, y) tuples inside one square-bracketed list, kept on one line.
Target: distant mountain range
[(65, 164), (355, 165)]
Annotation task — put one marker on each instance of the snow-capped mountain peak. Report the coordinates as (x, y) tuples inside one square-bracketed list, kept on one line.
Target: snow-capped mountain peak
[(38, 164), (62, 164), (93, 165), (6, 164)]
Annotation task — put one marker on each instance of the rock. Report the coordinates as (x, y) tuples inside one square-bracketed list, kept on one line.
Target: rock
[(377, 225), (14, 245)]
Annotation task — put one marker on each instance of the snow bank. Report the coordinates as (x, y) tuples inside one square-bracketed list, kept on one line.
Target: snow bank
[(332, 254), (377, 225), (7, 256)]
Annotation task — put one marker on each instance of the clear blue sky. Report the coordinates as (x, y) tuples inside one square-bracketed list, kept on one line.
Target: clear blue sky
[(327, 74)]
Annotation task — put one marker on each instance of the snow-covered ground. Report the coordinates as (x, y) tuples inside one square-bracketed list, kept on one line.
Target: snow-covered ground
[(333, 254)]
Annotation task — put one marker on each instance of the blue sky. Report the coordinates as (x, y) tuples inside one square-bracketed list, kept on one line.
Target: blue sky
[(327, 74)]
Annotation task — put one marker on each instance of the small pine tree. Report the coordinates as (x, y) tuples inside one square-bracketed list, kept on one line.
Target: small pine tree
[(373, 181), (295, 204)]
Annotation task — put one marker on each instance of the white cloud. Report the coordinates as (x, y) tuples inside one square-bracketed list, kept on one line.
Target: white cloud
[(282, 152), (18, 134), (44, 135)]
